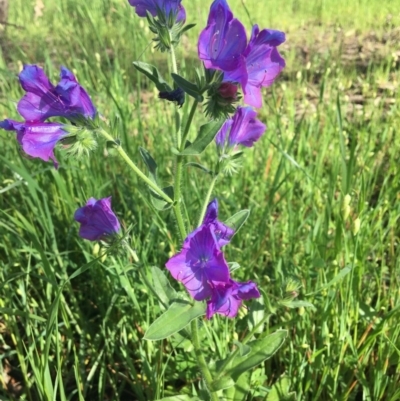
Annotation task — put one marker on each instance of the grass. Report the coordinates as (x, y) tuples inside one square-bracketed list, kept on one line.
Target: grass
[(72, 321)]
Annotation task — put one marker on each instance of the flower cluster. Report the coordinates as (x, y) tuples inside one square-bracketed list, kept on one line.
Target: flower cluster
[(98, 221), (44, 100), (223, 46), (201, 267)]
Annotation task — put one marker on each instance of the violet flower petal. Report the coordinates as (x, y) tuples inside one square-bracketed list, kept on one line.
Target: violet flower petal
[(37, 139), (142, 6), (222, 43), (263, 63), (199, 264), (226, 299), (42, 100), (222, 232), (74, 95), (246, 128), (97, 219)]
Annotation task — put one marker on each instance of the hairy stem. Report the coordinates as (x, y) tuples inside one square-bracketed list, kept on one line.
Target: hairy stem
[(135, 168), (200, 359), (207, 199), (178, 214)]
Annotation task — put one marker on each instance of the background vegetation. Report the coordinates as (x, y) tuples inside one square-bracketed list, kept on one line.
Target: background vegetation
[(332, 120)]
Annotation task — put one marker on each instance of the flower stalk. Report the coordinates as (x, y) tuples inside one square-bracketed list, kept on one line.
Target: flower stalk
[(135, 168)]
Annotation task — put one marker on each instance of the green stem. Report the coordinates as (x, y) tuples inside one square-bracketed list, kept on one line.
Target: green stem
[(188, 124), (232, 356), (177, 197), (178, 214), (135, 168), (200, 359), (179, 161), (207, 199)]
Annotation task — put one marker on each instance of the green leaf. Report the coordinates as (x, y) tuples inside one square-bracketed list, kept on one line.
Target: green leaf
[(206, 135), (162, 286), (149, 162), (257, 312), (16, 312), (222, 383), (261, 350), (200, 167), (158, 202), (190, 88), (244, 349), (177, 317), (237, 220), (152, 73), (186, 28), (338, 277), (280, 391), (241, 389), (296, 304), (179, 398)]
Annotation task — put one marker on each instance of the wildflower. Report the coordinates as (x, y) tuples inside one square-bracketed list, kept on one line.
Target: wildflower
[(166, 6), (200, 265), (223, 46), (37, 139), (43, 100), (242, 129), (222, 232), (223, 41), (227, 298), (97, 220), (263, 63)]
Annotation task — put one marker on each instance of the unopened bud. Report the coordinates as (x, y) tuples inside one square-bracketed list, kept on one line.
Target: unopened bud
[(356, 226), (346, 209)]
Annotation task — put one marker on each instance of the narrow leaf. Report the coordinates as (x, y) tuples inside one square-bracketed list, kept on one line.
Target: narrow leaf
[(261, 350), (153, 74), (244, 349), (177, 317), (149, 162), (241, 389), (162, 286), (200, 167), (179, 398), (206, 136), (190, 88), (223, 383), (237, 220), (158, 202), (280, 390), (16, 312), (257, 312)]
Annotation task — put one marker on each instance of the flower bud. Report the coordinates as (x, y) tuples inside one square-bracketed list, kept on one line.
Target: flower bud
[(346, 209), (356, 226)]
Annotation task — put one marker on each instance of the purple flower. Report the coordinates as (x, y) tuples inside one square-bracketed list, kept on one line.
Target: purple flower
[(37, 139), (223, 46), (43, 100), (168, 6), (97, 219), (227, 298), (222, 43), (263, 63), (222, 232), (200, 265), (242, 129)]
